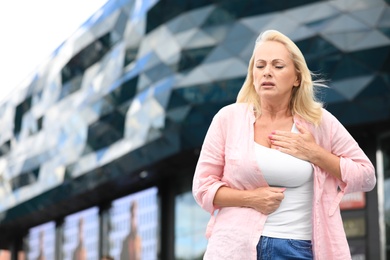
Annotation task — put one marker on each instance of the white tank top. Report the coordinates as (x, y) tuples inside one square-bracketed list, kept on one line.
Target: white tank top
[(292, 220)]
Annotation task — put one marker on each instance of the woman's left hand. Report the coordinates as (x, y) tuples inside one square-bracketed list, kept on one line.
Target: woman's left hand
[(300, 145), (303, 146)]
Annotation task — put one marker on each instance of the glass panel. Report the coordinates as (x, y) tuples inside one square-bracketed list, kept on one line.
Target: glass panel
[(312, 12), (217, 32), (81, 235), (200, 39), (219, 53), (85, 58), (159, 72), (316, 46), (373, 39), (130, 56), (385, 31), (234, 7), (385, 19), (134, 225), (348, 67), (124, 93), (180, 24), (193, 57), (40, 242), (106, 131), (374, 58), (351, 87), (346, 23), (377, 88), (228, 68), (217, 17), (5, 147), (370, 16), (330, 95), (21, 109), (24, 179), (240, 43), (167, 10), (190, 227), (199, 15), (70, 87), (344, 40)]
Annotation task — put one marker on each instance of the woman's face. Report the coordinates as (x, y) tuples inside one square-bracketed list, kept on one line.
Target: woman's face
[(274, 74)]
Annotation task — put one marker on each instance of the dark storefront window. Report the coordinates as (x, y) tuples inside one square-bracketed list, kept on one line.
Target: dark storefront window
[(81, 235), (40, 242), (133, 228), (190, 227)]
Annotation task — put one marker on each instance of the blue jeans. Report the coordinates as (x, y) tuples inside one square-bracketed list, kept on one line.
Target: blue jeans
[(270, 248)]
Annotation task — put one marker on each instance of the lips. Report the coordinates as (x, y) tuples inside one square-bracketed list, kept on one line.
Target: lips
[(268, 84)]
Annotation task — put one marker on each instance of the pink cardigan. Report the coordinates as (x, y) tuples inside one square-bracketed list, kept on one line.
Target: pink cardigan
[(228, 159)]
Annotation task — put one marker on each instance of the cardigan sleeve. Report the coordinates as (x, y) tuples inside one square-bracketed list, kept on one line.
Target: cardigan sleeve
[(357, 171), (209, 169)]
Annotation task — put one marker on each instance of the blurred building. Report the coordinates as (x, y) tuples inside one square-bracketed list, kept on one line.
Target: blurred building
[(118, 114)]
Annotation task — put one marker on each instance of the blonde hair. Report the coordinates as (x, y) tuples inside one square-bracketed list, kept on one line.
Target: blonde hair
[(303, 98)]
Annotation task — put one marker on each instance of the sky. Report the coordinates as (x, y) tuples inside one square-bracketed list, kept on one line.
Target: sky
[(31, 30)]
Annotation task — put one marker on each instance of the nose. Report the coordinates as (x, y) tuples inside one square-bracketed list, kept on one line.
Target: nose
[(266, 71)]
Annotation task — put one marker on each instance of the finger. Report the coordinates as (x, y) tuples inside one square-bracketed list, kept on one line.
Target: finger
[(282, 146), (280, 137), (277, 189), (285, 150), (280, 133), (300, 128)]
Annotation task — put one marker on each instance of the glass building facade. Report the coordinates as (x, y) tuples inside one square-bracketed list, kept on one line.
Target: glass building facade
[(121, 109)]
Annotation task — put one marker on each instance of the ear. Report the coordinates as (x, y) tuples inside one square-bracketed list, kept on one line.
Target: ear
[(297, 82)]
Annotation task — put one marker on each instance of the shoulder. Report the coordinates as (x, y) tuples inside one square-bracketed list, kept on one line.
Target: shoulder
[(324, 128), (329, 126), (328, 118)]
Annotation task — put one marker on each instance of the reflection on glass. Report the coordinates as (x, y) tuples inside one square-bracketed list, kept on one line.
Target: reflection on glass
[(132, 245), (81, 235), (133, 226), (80, 253), (41, 255), (41, 242), (190, 225), (5, 255)]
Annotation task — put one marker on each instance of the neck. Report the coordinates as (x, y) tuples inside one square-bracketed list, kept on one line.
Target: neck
[(275, 113), (275, 108)]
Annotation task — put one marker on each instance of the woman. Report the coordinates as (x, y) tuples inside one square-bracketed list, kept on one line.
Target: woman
[(275, 165)]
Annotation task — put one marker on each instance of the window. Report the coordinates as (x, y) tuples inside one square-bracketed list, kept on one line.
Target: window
[(190, 226)]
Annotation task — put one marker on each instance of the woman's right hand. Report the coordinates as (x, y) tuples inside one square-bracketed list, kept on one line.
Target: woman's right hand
[(266, 199)]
